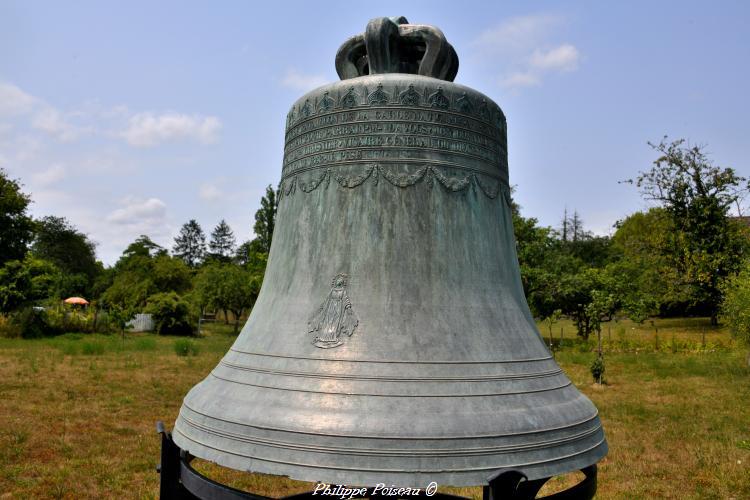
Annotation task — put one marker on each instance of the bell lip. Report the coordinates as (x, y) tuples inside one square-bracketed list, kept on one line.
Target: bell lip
[(542, 469)]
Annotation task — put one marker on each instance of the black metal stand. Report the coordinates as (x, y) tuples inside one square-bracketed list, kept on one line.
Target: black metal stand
[(179, 481)]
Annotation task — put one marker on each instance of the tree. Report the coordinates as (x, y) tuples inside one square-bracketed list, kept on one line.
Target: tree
[(222, 242), (575, 240), (265, 220), (227, 287), (144, 246), (170, 274), (171, 314), (120, 317), (190, 244), (59, 242), (535, 248), (654, 283), (575, 228), (589, 297), (242, 253), (16, 227), (26, 282), (705, 246), (144, 269), (735, 309)]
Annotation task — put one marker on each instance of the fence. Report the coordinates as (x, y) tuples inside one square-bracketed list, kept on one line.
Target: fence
[(141, 323)]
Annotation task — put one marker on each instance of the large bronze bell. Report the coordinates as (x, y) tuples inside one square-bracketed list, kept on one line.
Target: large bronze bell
[(391, 342)]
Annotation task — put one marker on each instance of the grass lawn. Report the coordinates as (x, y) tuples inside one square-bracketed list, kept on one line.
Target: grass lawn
[(78, 411)]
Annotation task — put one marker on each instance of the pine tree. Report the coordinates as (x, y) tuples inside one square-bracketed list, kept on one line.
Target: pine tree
[(190, 244), (576, 226), (222, 242)]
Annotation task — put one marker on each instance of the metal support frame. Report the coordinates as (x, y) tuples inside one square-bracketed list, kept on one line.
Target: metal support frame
[(180, 481)]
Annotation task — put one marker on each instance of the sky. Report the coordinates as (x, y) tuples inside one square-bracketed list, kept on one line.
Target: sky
[(132, 118)]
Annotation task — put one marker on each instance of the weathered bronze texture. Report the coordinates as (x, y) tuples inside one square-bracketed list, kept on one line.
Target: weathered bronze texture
[(391, 341), (392, 45), (180, 481)]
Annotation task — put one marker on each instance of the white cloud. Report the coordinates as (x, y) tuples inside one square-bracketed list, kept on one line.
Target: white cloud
[(300, 81), (210, 192), (542, 62), (149, 129), (562, 58), (520, 79), (49, 176), (14, 101), (524, 46), (50, 120), (138, 212), (517, 34), (138, 129)]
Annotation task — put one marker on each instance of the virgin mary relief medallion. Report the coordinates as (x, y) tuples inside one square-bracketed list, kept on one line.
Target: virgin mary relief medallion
[(335, 319)]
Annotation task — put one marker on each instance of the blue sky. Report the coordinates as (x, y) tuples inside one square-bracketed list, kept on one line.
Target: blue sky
[(132, 117)]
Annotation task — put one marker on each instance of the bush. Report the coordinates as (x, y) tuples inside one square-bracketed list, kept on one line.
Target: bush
[(171, 314), (185, 347), (34, 323), (735, 309), (736, 306), (8, 328)]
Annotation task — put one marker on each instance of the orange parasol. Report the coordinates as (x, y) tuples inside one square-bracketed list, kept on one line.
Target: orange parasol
[(76, 300)]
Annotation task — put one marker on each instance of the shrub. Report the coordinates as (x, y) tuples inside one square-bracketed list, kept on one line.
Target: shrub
[(185, 347), (33, 323), (597, 369), (171, 314), (735, 309), (8, 328)]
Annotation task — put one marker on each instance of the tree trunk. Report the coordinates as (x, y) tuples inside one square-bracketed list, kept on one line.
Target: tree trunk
[(586, 329), (714, 319), (237, 315)]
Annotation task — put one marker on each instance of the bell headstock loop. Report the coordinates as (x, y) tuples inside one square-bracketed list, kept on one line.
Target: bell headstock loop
[(392, 45)]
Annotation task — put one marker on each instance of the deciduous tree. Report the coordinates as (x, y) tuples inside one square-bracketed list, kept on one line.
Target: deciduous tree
[(26, 282), (143, 270), (705, 246), (16, 227), (265, 220), (59, 242), (227, 287)]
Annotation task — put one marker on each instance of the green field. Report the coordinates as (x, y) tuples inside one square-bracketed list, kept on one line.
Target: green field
[(78, 411)]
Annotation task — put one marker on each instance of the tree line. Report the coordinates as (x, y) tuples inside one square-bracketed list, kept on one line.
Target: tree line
[(47, 260), (685, 256)]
